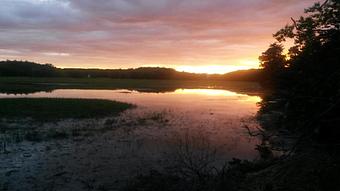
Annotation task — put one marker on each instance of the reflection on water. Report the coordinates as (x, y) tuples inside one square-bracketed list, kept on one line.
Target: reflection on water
[(206, 92), (144, 86), (212, 92), (195, 100), (215, 92), (140, 139), (219, 114)]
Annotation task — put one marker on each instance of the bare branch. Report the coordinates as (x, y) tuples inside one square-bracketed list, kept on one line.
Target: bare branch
[(323, 4), (252, 133), (295, 25)]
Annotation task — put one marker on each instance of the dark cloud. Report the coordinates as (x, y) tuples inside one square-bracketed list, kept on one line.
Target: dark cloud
[(125, 33)]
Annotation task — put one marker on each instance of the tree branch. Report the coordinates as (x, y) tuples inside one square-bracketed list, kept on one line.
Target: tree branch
[(294, 22), (323, 4)]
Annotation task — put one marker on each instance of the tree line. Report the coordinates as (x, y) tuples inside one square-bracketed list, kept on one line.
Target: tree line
[(16, 68)]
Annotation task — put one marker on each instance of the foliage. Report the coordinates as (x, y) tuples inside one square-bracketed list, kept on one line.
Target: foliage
[(26, 68), (252, 75), (16, 68), (273, 59), (308, 89), (273, 63)]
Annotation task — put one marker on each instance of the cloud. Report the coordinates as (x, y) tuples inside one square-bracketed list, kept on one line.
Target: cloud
[(129, 33), (8, 52), (55, 54)]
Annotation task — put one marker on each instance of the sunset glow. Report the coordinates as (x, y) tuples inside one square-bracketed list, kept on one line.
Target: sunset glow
[(214, 36), (212, 69), (217, 92), (211, 92)]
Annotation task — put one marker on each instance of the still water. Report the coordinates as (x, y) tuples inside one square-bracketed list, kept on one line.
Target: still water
[(154, 135), (215, 113)]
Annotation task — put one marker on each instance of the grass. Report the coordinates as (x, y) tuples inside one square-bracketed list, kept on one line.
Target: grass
[(29, 85), (52, 109)]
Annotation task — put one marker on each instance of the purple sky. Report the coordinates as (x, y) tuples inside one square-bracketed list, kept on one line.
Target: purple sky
[(192, 35)]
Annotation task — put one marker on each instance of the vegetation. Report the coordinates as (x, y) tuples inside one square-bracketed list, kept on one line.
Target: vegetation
[(303, 106), (273, 63), (252, 75), (304, 103), (16, 68), (52, 109), (307, 83)]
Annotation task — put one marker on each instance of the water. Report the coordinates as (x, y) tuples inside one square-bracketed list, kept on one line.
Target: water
[(144, 138), (219, 114)]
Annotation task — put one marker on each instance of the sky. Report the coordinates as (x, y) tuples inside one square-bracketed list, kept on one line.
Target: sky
[(202, 36)]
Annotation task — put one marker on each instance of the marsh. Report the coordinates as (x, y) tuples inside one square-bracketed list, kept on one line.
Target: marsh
[(106, 151)]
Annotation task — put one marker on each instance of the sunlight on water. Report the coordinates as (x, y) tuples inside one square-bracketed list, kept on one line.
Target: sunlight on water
[(216, 113), (217, 92), (191, 100), (254, 99), (210, 92)]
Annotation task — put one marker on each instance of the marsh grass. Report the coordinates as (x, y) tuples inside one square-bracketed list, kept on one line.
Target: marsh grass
[(54, 109), (194, 156), (191, 166)]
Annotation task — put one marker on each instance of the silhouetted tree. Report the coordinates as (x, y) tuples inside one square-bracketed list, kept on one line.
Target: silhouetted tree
[(273, 62), (273, 59), (26, 68), (31, 69), (309, 86)]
